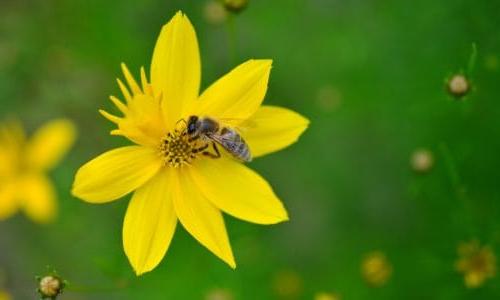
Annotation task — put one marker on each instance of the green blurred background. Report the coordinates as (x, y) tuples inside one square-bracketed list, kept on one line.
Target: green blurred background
[(368, 74)]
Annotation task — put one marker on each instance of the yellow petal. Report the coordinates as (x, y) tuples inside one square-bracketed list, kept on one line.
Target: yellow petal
[(134, 87), (201, 219), (143, 123), (150, 223), (50, 143), (175, 67), (146, 87), (238, 94), (9, 161), (4, 295), (122, 107), (272, 128), (8, 201), (238, 191), (124, 90), (116, 173), (12, 144), (37, 197)]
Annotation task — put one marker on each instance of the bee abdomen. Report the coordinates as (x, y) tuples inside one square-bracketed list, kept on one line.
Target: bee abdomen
[(245, 155), (244, 151)]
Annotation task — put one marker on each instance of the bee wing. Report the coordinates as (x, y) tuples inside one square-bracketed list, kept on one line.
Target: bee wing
[(241, 125), (229, 142), (234, 144)]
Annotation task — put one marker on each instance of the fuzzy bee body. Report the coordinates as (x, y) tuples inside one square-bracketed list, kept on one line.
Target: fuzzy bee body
[(228, 138)]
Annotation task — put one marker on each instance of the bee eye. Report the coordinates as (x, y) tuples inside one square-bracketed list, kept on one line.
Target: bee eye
[(191, 128)]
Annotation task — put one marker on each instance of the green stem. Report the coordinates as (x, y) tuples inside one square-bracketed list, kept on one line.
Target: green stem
[(95, 289), (231, 38), (458, 187)]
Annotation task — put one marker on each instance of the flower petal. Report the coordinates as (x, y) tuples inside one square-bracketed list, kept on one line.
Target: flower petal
[(116, 173), (38, 198), (238, 191), (201, 219), (175, 67), (272, 128), (142, 122), (12, 144), (50, 143), (149, 223), (238, 94), (134, 87), (8, 201)]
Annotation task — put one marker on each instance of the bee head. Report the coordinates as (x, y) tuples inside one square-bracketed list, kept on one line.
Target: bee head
[(192, 124)]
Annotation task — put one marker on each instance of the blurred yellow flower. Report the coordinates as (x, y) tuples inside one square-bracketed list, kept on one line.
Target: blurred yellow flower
[(4, 295), (24, 184), (326, 296), (376, 269), (214, 12), (476, 263), (287, 284), (171, 179), (219, 294)]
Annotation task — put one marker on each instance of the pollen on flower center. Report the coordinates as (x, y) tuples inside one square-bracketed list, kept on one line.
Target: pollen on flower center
[(177, 148)]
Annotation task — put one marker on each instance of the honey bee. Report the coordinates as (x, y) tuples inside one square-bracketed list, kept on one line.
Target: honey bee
[(209, 130)]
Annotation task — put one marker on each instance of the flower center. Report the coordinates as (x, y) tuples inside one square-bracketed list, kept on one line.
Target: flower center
[(178, 148)]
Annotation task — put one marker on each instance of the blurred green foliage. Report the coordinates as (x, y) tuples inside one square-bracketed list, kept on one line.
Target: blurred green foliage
[(370, 76)]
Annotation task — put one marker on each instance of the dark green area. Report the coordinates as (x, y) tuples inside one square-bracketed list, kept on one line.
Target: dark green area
[(369, 75)]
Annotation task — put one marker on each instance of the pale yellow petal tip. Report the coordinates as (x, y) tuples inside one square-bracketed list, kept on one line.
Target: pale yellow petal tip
[(139, 272), (109, 116), (77, 192), (229, 260), (139, 269), (306, 121), (281, 218), (178, 17), (265, 62), (63, 126), (285, 217)]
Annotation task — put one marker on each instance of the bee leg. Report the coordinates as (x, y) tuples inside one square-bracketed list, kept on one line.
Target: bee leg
[(194, 138), (211, 155), (196, 150), (216, 150)]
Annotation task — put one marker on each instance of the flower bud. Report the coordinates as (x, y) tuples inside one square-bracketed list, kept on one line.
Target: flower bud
[(287, 284), (235, 6), (326, 296), (214, 12), (219, 294), (50, 286), (458, 86), (422, 160), (376, 269)]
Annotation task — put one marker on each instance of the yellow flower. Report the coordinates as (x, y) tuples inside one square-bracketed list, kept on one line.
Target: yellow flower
[(287, 284), (376, 269), (326, 296), (219, 294), (4, 295), (476, 263), (23, 166), (169, 180)]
